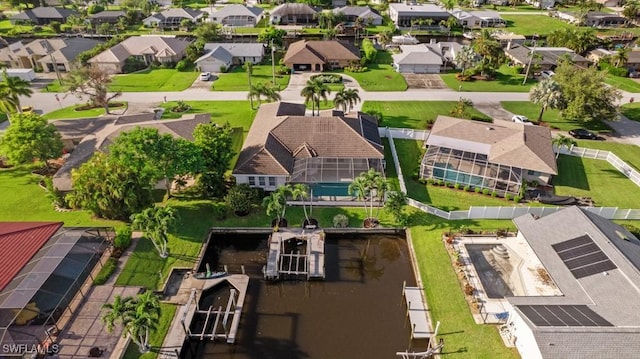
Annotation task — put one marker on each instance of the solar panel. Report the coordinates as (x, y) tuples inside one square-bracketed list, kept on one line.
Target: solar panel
[(583, 257), (563, 316)]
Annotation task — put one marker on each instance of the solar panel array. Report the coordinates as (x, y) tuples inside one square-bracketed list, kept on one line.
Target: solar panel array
[(583, 257), (563, 316)]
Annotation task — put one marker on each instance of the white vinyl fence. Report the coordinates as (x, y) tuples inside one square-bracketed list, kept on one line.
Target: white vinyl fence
[(610, 157), (404, 133)]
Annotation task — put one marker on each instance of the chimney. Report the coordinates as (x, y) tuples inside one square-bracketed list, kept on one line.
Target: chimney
[(509, 45)]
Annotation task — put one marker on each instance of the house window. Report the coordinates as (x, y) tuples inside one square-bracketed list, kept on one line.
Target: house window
[(272, 181), (261, 181), (252, 181)]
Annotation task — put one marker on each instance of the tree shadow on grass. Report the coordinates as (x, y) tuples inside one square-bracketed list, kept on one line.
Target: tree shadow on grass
[(632, 113), (571, 173)]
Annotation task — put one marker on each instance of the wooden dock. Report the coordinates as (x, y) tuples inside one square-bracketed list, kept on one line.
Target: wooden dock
[(315, 257), (306, 259), (417, 313)]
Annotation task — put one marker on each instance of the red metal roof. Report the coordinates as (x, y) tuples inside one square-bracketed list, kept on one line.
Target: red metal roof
[(19, 242)]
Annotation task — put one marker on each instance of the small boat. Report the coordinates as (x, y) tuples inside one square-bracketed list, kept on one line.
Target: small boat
[(209, 275), (406, 39)]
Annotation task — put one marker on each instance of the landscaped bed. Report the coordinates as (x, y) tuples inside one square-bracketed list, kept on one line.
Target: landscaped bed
[(413, 114)]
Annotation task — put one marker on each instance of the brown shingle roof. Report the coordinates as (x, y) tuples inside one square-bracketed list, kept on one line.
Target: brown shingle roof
[(304, 52), (274, 141), (507, 143)]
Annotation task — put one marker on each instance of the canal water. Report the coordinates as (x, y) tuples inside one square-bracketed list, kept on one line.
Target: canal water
[(356, 312)]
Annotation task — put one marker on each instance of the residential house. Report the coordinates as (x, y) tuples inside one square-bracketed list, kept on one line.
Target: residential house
[(367, 15), (493, 156), (632, 63), (316, 55), (220, 56), (107, 16), (633, 60), (478, 19), (338, 3), (237, 15), (149, 49), (541, 4), (598, 54), (294, 14), (447, 50), (46, 272), (404, 15), (595, 263), (44, 53), (418, 59), (545, 58), (325, 152), (172, 18), (98, 135), (42, 15), (593, 18), (504, 38)]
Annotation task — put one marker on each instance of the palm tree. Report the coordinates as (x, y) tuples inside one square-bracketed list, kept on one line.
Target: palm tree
[(449, 4), (274, 205), (7, 104), (563, 141), (301, 191), (138, 323), (156, 222), (621, 56), (360, 188), (248, 66), (255, 93), (352, 96), (340, 100), (385, 38), (309, 95), (630, 11), (13, 87), (465, 58), (115, 311), (548, 94), (314, 91)]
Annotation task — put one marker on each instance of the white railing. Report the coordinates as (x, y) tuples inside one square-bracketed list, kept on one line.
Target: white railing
[(404, 133), (396, 161), (610, 157)]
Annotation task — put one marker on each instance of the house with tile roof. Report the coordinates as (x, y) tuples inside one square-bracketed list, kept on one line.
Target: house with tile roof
[(224, 55), (46, 269), (320, 55), (37, 54), (367, 15), (42, 15), (595, 263), (545, 58), (172, 18), (148, 49), (493, 156), (293, 14), (237, 15), (325, 152)]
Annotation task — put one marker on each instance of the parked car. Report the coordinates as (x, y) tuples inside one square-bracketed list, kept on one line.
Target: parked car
[(547, 74), (521, 119), (584, 134), (205, 76)]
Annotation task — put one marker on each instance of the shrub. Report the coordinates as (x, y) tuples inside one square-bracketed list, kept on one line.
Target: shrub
[(477, 189), (182, 65), (517, 199), (467, 189), (106, 271), (340, 221), (328, 78), (181, 106), (481, 118), (615, 71), (283, 70), (633, 229), (94, 9), (440, 183), (223, 69), (56, 26), (456, 186), (123, 238), (356, 68), (508, 196), (431, 181), (132, 64), (469, 289), (494, 194), (240, 198), (485, 191), (422, 181)]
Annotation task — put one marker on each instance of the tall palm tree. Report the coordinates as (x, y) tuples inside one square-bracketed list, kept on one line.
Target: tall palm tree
[(14, 87), (548, 94), (621, 56), (274, 205), (563, 141), (301, 191), (309, 94), (156, 222), (385, 38), (360, 188), (353, 97), (340, 100), (138, 323), (115, 311), (314, 91), (248, 66)]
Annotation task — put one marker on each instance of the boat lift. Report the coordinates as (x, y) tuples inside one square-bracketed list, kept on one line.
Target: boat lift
[(307, 261), (216, 322)]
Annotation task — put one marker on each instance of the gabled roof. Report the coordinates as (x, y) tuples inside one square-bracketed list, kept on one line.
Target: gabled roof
[(612, 294), (44, 13), (274, 140), (483, 15), (19, 241), (187, 13), (238, 10), (416, 55), (219, 53), (293, 9), (504, 142), (108, 14), (304, 51), (139, 45), (364, 12), (238, 49), (73, 48), (63, 49), (419, 9), (550, 55)]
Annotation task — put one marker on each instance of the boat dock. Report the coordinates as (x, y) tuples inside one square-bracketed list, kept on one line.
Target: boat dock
[(295, 252), (417, 313)]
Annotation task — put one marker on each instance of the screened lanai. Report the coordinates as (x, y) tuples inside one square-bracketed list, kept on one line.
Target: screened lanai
[(470, 169), (40, 299), (331, 169)]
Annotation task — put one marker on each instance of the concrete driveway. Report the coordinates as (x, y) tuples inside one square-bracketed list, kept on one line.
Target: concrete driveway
[(493, 110), (424, 81)]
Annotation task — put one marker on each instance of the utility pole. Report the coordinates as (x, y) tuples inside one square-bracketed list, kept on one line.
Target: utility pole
[(273, 63), (533, 49)]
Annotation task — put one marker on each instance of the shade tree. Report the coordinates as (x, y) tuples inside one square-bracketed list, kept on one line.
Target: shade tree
[(30, 138), (216, 147)]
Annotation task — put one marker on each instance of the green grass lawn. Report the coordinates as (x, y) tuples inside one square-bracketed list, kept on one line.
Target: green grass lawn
[(24, 200), (623, 83), (583, 177), (380, 75), (237, 113), (156, 338), (631, 111), (507, 80), (55, 86), (412, 114), (236, 79), (71, 112), (529, 25), (551, 117), (628, 153), (154, 81)]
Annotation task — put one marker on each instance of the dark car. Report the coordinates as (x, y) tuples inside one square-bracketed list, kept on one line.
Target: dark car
[(582, 133)]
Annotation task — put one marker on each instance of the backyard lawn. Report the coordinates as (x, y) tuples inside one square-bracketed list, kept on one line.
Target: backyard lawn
[(156, 338), (237, 113), (551, 117), (380, 75), (236, 79), (507, 80), (628, 153), (623, 83), (157, 80), (529, 25), (583, 177), (412, 114)]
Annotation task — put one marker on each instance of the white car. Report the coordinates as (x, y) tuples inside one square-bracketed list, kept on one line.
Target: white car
[(205, 76), (521, 119), (547, 74)]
